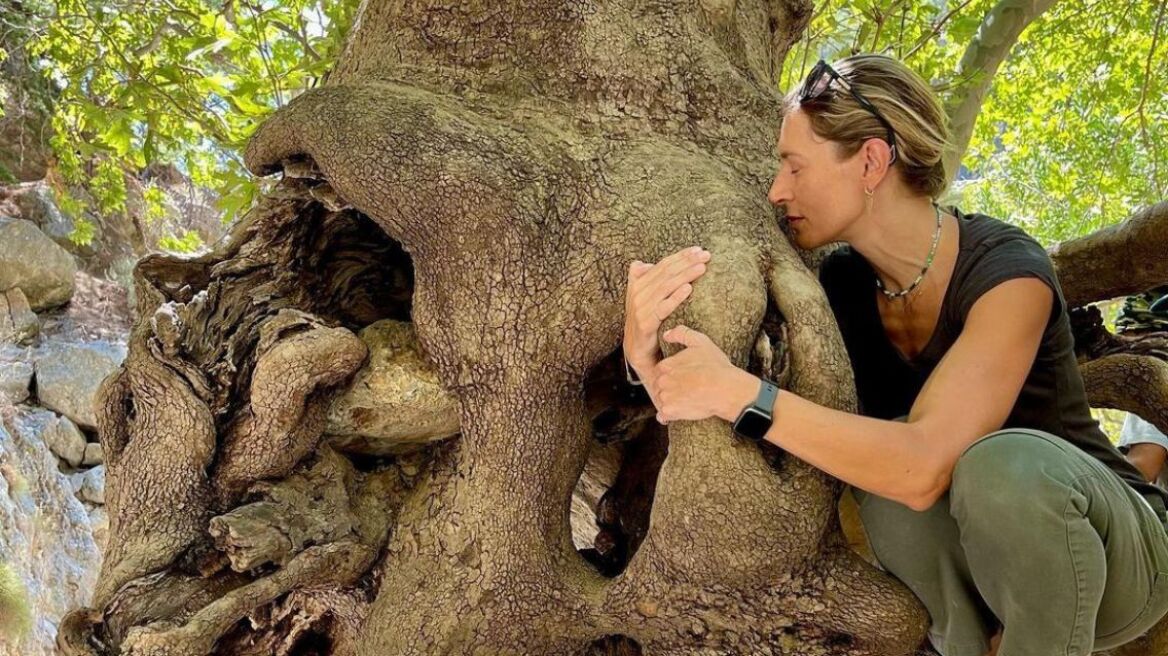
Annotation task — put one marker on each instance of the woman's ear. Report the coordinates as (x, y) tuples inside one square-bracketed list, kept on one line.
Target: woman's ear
[(877, 157)]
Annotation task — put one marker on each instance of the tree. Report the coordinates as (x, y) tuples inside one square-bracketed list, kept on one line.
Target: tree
[(478, 176)]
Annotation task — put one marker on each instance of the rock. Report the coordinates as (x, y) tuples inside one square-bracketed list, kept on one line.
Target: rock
[(38, 205), (67, 377), (15, 377), (93, 455), (65, 440), (121, 271), (34, 263), (76, 482), (93, 485), (18, 323), (99, 523), (395, 403), (46, 538)]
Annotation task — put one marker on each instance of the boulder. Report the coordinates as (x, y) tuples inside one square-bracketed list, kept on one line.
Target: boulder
[(48, 557), (93, 455), (67, 377), (18, 323), (15, 378), (38, 205), (93, 485), (65, 440), (34, 263)]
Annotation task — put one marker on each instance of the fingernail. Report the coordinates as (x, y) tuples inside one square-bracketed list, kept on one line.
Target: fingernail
[(695, 249)]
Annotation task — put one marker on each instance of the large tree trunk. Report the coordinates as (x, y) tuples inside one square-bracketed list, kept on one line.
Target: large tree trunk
[(450, 244)]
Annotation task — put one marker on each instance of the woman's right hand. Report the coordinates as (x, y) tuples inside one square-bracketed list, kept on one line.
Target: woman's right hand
[(653, 293)]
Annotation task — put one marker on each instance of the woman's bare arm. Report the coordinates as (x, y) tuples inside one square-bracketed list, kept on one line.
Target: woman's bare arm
[(968, 395)]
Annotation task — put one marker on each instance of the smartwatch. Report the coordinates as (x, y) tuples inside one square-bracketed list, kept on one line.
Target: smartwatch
[(755, 419)]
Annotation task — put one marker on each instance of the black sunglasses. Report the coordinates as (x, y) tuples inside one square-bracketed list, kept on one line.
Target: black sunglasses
[(819, 81)]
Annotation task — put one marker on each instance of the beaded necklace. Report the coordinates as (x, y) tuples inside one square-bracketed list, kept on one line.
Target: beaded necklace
[(928, 262)]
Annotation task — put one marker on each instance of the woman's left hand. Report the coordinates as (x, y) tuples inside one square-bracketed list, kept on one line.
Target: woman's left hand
[(700, 381)]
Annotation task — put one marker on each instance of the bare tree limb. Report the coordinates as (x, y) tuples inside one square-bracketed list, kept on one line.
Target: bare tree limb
[(1118, 260), (996, 35)]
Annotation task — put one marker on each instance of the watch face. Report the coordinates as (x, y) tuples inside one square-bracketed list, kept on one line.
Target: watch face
[(753, 424)]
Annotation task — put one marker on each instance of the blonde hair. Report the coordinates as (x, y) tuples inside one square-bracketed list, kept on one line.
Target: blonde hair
[(903, 98)]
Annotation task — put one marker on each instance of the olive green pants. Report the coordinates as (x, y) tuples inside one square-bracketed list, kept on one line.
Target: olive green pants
[(1033, 535)]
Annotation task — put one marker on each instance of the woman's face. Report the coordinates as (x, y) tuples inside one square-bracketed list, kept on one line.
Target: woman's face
[(823, 193)]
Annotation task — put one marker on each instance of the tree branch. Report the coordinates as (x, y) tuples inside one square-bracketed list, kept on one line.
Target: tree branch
[(991, 45), (1118, 260)]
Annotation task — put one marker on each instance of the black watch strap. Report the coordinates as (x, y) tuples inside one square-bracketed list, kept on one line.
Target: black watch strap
[(755, 419)]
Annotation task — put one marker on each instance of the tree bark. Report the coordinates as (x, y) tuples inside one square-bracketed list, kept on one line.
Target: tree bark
[(1122, 259), (487, 172)]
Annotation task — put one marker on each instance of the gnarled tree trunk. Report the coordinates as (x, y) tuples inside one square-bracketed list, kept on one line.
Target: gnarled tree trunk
[(358, 425)]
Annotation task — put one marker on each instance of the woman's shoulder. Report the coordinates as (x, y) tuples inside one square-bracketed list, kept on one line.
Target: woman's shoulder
[(986, 231), (999, 251)]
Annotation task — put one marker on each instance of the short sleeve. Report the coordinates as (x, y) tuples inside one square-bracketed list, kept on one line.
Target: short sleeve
[(829, 268), (1016, 257), (837, 272), (1137, 431)]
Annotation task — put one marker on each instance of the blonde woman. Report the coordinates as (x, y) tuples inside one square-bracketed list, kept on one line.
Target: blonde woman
[(984, 483)]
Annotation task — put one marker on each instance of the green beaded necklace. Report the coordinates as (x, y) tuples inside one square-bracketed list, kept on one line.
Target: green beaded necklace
[(928, 262)]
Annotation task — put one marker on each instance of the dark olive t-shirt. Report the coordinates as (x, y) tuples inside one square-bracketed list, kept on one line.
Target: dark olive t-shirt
[(990, 251)]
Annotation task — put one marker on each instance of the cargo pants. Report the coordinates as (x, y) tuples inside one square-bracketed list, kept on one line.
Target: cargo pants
[(1033, 535)]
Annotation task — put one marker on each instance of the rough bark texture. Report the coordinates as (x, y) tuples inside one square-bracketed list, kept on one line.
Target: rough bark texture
[(1127, 371), (1126, 258), (487, 172)]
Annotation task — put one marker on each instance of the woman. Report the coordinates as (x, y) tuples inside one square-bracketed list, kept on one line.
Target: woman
[(984, 483)]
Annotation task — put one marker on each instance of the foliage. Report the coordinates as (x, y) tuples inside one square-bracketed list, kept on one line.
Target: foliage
[(1071, 136), (15, 611), (183, 81), (188, 243)]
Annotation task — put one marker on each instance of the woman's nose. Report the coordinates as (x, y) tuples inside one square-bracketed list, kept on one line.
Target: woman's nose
[(778, 194)]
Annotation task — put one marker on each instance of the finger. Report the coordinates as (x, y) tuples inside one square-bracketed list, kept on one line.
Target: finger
[(638, 268), (681, 334), (667, 306), (653, 289), (674, 264)]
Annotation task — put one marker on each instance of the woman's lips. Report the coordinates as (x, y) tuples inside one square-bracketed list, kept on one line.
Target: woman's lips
[(793, 219)]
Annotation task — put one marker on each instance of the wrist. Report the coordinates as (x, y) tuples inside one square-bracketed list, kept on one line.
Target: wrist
[(740, 393), (644, 366), (638, 370)]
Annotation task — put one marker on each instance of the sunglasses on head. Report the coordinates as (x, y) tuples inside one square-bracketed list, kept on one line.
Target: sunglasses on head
[(819, 81)]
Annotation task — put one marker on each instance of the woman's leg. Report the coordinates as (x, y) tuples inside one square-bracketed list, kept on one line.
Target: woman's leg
[(1065, 553), (923, 550)]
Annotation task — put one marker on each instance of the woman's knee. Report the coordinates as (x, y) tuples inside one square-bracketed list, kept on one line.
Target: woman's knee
[(1002, 473)]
